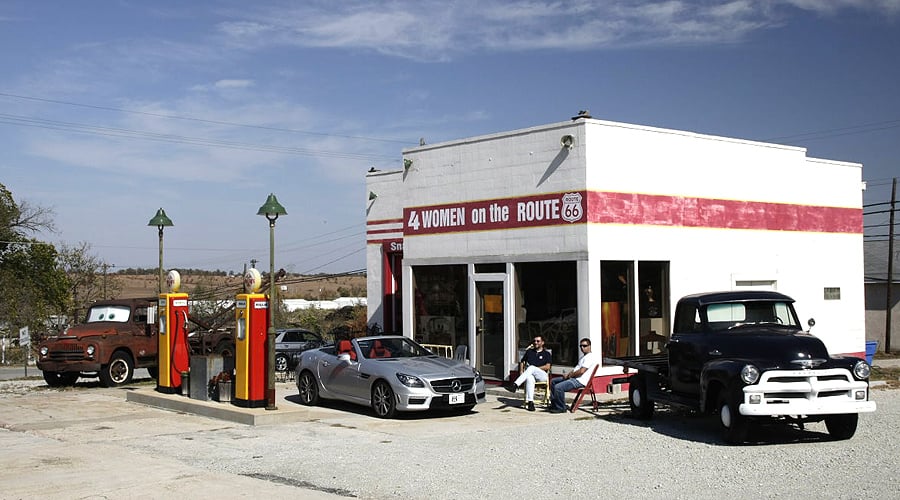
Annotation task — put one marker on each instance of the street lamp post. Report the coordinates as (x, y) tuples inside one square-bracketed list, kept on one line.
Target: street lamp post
[(271, 210), (160, 220)]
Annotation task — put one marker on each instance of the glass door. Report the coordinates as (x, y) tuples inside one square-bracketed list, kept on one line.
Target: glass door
[(489, 328)]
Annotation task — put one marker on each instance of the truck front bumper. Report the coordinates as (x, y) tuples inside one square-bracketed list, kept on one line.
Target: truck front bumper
[(69, 366), (806, 392)]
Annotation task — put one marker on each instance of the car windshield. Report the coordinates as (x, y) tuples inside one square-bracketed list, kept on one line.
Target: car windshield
[(117, 314), (731, 315), (398, 347)]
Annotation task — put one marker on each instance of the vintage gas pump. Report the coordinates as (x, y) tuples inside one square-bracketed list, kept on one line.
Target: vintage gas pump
[(250, 368), (174, 352)]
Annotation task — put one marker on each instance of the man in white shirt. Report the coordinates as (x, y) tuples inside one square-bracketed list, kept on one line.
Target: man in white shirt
[(575, 379)]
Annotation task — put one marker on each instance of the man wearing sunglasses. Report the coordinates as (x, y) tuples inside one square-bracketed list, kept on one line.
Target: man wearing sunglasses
[(575, 379), (537, 365)]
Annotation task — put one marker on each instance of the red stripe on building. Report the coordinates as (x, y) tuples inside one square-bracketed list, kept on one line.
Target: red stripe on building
[(644, 209)]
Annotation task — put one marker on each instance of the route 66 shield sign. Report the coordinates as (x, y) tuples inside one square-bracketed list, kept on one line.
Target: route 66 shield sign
[(572, 210)]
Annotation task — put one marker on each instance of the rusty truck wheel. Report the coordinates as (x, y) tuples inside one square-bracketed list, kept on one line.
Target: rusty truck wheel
[(118, 371)]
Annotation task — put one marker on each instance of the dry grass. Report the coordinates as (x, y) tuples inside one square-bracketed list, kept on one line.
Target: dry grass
[(307, 287)]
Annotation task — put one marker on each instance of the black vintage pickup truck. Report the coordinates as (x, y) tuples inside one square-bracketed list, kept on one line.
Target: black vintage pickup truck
[(744, 356)]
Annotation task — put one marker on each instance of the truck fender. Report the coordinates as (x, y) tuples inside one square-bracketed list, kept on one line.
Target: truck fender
[(716, 376)]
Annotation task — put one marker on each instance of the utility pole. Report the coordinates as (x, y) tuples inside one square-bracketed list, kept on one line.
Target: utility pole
[(890, 271)]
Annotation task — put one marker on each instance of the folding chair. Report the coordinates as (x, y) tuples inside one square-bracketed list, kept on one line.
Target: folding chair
[(541, 389), (588, 388)]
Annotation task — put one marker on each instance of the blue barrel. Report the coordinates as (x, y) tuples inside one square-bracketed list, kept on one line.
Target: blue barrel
[(871, 347)]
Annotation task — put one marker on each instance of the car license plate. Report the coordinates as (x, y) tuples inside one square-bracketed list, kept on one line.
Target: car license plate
[(457, 398)]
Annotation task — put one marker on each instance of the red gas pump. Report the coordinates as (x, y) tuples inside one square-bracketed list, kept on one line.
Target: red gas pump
[(174, 351), (250, 361)]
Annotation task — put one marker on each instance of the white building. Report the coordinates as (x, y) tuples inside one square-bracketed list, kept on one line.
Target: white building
[(589, 228)]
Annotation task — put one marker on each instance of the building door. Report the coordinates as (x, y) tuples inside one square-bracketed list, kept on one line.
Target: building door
[(489, 328)]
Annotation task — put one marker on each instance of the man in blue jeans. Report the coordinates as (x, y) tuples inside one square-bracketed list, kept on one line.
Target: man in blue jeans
[(575, 379)]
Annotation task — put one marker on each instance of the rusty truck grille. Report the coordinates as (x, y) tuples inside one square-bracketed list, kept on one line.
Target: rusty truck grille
[(66, 352)]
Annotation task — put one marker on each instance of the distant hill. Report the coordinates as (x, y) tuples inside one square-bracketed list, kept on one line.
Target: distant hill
[(317, 287)]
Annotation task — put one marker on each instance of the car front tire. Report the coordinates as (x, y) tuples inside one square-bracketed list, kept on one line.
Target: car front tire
[(383, 401), (281, 363), (308, 388)]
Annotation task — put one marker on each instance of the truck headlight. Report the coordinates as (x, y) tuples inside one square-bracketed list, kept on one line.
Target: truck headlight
[(749, 374), (90, 350), (409, 380), (44, 350), (861, 370)]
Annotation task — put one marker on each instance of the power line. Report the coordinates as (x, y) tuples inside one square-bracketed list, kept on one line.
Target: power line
[(202, 120), (837, 132), (181, 139)]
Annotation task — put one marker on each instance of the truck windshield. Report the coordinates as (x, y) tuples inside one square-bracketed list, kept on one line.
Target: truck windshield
[(117, 314), (725, 316)]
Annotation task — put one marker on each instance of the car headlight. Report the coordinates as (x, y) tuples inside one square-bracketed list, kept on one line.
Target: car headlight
[(478, 377), (409, 380), (861, 370), (749, 374), (90, 350), (44, 350)]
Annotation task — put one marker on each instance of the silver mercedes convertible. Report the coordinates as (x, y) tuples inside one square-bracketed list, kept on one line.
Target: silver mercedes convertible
[(388, 373)]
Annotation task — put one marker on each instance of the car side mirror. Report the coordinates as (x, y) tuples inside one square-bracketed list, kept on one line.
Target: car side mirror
[(811, 322), (343, 357)]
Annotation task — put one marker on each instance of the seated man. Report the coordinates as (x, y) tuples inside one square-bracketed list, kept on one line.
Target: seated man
[(537, 364), (575, 379)]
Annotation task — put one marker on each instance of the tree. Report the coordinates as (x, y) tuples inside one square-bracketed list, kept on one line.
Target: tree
[(32, 286), (88, 277)]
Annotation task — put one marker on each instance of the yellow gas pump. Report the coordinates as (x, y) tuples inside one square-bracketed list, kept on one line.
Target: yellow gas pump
[(251, 314), (173, 354)]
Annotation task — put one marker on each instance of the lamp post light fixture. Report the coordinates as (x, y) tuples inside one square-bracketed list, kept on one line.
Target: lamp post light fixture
[(160, 220), (271, 209)]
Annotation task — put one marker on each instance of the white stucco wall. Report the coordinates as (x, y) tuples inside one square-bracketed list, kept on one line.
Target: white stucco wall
[(619, 158)]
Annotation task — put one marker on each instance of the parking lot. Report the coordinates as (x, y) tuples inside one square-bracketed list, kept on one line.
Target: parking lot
[(90, 442)]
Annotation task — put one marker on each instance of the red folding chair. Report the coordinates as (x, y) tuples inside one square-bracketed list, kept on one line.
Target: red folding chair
[(588, 388)]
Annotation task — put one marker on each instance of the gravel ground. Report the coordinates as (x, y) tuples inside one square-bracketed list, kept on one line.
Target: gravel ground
[(499, 451)]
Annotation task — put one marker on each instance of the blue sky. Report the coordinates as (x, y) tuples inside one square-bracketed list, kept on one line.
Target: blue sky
[(111, 110)]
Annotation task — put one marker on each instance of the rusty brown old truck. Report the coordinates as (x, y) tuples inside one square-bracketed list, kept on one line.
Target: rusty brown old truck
[(117, 337)]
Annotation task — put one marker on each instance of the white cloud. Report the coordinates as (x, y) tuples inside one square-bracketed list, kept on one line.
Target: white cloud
[(437, 30)]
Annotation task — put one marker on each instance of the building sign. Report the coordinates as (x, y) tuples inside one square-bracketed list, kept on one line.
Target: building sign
[(540, 210), (627, 208)]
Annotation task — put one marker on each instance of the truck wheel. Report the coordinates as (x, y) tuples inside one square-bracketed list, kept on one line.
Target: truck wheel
[(60, 379), (733, 423), (309, 390), (641, 405), (118, 371), (841, 426), (225, 349), (281, 363)]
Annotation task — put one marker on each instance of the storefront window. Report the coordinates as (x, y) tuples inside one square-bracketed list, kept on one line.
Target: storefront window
[(621, 317), (547, 297), (617, 308), (440, 298), (653, 327)]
